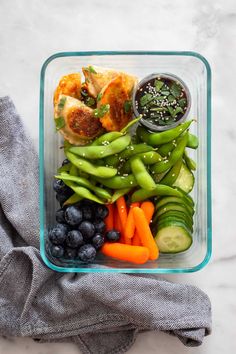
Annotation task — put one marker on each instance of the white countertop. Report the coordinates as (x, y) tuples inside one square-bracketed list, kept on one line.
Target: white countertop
[(33, 30)]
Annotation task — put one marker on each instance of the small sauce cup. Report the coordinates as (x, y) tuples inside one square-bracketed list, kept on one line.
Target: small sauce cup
[(163, 99)]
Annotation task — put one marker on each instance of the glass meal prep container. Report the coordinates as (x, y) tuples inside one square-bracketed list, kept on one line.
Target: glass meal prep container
[(195, 71)]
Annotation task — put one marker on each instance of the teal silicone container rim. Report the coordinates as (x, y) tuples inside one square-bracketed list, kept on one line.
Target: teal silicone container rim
[(41, 167)]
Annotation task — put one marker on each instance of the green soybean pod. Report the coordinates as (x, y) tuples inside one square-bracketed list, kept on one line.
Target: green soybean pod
[(191, 164), (175, 155), (112, 160), (106, 139), (91, 169), (119, 193), (134, 149), (84, 192), (172, 174), (75, 198), (156, 139), (143, 134), (99, 152), (143, 194), (118, 182), (100, 192), (192, 141), (141, 175), (165, 149)]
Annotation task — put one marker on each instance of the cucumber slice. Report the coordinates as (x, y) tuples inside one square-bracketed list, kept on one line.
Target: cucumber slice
[(185, 195), (177, 200), (185, 180), (174, 207), (174, 219), (173, 238), (175, 214)]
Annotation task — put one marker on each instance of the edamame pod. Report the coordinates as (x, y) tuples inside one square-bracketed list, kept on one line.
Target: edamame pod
[(118, 182), (106, 139), (99, 152), (88, 167), (143, 194), (119, 193), (100, 192), (175, 155), (141, 174), (83, 192), (172, 174), (134, 149), (192, 141)]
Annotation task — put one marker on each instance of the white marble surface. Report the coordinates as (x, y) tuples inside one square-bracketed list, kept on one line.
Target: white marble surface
[(32, 30)]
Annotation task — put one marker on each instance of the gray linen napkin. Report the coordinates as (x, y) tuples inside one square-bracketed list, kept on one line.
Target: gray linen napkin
[(102, 313)]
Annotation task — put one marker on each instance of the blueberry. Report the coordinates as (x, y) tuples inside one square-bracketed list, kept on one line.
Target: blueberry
[(87, 229), (58, 185), (97, 241), (60, 216), (100, 226), (73, 215), (87, 253), (74, 239), (101, 212), (58, 234), (63, 196), (57, 251), (65, 162), (87, 212), (71, 253), (113, 235)]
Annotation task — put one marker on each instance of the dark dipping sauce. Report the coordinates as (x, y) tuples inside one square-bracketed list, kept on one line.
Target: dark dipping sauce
[(161, 101)]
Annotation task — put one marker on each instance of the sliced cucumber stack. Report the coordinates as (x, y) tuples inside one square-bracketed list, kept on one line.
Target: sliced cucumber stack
[(173, 223)]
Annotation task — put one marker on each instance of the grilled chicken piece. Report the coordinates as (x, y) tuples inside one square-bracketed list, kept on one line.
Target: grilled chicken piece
[(115, 94), (76, 121), (69, 85), (96, 78)]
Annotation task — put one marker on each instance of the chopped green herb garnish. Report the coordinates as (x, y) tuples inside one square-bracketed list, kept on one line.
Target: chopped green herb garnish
[(175, 89), (145, 99), (178, 110), (182, 102), (165, 92), (172, 111), (60, 123), (99, 96), (100, 112), (92, 70), (90, 101), (127, 106), (62, 103), (158, 85), (171, 98)]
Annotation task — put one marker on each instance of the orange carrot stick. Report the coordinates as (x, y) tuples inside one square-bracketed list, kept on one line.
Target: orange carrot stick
[(144, 233), (134, 254), (136, 240), (121, 207), (109, 220), (148, 209), (130, 226)]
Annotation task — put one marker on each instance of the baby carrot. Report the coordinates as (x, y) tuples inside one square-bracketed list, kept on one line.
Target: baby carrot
[(122, 211), (109, 220), (135, 240), (148, 209), (144, 233), (134, 254), (130, 227)]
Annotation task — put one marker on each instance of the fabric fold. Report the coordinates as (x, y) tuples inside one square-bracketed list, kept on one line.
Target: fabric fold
[(101, 313)]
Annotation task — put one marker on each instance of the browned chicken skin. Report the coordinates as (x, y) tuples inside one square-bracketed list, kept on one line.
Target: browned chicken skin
[(115, 94)]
